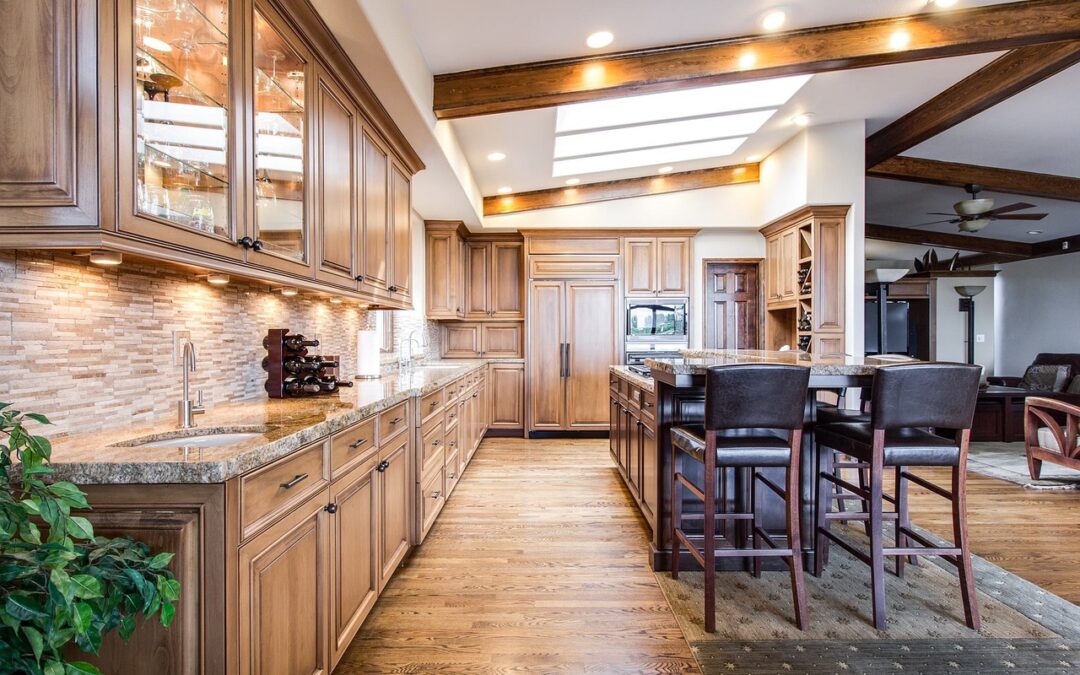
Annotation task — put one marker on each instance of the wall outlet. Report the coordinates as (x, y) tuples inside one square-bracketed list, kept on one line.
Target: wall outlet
[(179, 337), (979, 337)]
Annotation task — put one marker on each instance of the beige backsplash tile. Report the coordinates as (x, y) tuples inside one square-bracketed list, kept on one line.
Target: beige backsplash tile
[(92, 347)]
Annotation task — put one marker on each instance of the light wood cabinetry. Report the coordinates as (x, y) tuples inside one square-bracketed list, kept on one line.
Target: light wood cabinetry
[(461, 340), (506, 393), (445, 269), (656, 266), (394, 489), (354, 552), (253, 148), (475, 278), (804, 280)]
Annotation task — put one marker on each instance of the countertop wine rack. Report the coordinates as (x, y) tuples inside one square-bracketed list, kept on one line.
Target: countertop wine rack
[(292, 372)]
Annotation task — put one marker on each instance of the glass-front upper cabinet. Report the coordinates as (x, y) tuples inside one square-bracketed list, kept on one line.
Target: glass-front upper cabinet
[(177, 161), (282, 70)]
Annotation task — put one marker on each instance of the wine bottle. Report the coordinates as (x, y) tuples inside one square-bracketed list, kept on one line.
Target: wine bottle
[(310, 365), (331, 384), (297, 342), (304, 387)]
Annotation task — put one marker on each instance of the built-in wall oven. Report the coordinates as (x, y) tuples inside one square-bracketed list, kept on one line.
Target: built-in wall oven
[(656, 327)]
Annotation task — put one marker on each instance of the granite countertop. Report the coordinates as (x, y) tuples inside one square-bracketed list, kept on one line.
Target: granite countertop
[(630, 376), (282, 425), (695, 362)]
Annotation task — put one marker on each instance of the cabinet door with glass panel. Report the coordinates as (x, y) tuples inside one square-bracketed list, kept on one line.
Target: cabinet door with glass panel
[(179, 133), (280, 226)]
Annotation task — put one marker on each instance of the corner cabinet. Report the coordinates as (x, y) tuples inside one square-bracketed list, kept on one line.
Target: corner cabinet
[(246, 142), (478, 278)]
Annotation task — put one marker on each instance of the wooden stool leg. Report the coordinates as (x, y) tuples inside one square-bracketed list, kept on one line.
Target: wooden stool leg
[(676, 509), (710, 538), (865, 507), (755, 495), (960, 536), (877, 544), (821, 508), (798, 590), (901, 518)]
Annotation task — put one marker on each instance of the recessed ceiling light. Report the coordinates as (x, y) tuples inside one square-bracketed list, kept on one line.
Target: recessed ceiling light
[(802, 119), (1035, 231), (682, 104), (102, 257), (496, 156), (156, 44), (747, 60), (753, 158), (660, 133), (646, 157), (217, 279), (773, 20), (505, 190), (599, 39), (943, 4), (665, 169), (899, 39), (573, 181)]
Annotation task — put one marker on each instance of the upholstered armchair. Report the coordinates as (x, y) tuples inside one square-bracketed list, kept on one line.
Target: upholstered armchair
[(1050, 430)]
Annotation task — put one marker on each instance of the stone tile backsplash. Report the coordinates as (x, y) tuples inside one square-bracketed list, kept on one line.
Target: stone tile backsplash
[(92, 347)]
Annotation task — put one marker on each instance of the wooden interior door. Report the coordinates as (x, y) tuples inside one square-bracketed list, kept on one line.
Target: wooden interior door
[(731, 305), (546, 384), (592, 333)]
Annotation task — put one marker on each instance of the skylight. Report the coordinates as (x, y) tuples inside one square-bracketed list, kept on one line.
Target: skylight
[(650, 156), (660, 133), (715, 100)]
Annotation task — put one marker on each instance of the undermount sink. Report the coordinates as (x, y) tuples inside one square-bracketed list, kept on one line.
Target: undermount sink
[(195, 438)]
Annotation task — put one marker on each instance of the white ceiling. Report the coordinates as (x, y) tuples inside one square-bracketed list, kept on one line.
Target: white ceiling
[(878, 95), (459, 35)]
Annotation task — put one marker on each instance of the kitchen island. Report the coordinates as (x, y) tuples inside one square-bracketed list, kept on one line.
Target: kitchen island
[(677, 397)]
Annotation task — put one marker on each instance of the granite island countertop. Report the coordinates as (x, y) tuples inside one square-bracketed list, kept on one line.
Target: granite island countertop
[(696, 362), (283, 426), (630, 376)]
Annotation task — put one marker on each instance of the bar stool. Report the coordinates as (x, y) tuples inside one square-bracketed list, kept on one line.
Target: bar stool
[(906, 401), (827, 413), (753, 418)]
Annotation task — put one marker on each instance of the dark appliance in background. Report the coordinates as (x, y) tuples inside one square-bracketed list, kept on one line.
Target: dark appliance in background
[(656, 328), (899, 337), (292, 372)]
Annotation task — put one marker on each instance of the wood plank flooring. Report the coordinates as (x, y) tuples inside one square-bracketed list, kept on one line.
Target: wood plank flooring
[(537, 564)]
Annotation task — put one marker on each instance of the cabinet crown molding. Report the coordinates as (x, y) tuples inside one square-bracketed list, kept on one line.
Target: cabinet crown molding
[(802, 213)]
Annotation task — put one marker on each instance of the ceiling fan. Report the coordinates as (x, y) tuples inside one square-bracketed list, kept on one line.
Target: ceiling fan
[(976, 213)]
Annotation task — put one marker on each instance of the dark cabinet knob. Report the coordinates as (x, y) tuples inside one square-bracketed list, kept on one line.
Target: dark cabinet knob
[(392, 289), (330, 508), (382, 466), (257, 245), (359, 277), (246, 242)]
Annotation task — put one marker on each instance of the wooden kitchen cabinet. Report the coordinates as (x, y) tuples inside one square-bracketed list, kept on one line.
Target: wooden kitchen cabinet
[(461, 340), (354, 559), (477, 280), (656, 266), (782, 267), (375, 241), (395, 490), (633, 442), (400, 253), (473, 278), (335, 191), (506, 393), (444, 269)]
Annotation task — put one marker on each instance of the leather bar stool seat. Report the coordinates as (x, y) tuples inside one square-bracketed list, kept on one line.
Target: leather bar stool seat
[(830, 414), (735, 447), (903, 446)]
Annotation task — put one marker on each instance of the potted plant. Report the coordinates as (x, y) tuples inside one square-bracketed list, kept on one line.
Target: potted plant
[(61, 588)]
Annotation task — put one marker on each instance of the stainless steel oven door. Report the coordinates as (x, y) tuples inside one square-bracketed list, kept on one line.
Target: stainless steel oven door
[(656, 320)]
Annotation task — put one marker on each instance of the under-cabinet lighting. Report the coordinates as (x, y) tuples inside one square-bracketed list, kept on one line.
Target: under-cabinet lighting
[(288, 291), (217, 279), (335, 301), (102, 257)]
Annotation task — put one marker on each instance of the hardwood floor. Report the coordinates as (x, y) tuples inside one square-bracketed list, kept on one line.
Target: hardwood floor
[(1033, 534), (537, 564)]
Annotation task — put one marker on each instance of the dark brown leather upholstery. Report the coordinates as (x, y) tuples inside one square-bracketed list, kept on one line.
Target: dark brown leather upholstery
[(903, 447), (755, 396), (830, 414), (735, 447)]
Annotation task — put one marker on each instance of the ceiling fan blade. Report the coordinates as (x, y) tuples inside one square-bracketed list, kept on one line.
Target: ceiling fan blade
[(1022, 216), (1018, 206), (935, 222), (939, 213)]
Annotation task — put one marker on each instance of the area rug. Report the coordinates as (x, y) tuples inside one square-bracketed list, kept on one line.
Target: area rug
[(1008, 461), (1025, 629)]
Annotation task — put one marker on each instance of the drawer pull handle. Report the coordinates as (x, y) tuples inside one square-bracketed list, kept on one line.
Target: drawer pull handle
[(453, 444), (330, 508), (436, 494), (453, 476), (357, 443), (295, 481), (395, 420), (647, 404)]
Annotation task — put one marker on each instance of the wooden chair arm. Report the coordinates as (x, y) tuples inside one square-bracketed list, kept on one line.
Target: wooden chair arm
[(1052, 404), (1037, 412)]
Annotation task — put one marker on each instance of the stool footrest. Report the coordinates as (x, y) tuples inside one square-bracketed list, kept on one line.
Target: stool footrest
[(689, 485), (922, 482), (780, 492)]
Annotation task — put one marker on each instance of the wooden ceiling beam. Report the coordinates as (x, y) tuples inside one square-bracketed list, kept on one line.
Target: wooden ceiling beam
[(959, 242), (621, 189), (991, 178), (812, 50), (1042, 249), (998, 80)]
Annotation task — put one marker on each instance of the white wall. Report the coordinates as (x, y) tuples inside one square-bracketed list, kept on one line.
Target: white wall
[(951, 323), (1038, 310), (783, 179)]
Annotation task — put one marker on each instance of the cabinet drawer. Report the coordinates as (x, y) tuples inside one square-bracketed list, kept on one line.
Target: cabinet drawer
[(271, 491), (431, 446), (633, 395), (431, 405), (453, 471), (648, 405), (349, 446), (574, 267), (450, 419), (573, 245), (451, 391), (453, 438), (432, 498), (393, 421)]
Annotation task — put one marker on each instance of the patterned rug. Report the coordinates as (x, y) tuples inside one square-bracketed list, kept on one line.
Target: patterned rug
[(1025, 629), (1008, 461)]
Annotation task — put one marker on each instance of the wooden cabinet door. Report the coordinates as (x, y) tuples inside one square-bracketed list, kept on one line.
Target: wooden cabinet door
[(633, 455), (335, 202), (546, 382), (354, 567), (789, 264), (400, 254), (376, 216), (639, 261), (507, 280), (477, 280), (649, 477), (828, 276), (483, 410), (461, 340), (282, 583), (395, 490), (613, 421), (592, 320), (442, 262), (506, 387), (501, 340), (673, 266), (772, 269)]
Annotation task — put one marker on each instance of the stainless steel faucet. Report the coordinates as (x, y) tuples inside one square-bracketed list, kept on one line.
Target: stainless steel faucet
[(407, 361), (186, 408)]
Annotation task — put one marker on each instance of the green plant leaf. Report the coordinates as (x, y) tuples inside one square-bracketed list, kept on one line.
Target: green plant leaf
[(81, 614), (127, 627), (54, 668), (37, 417), (160, 561), (169, 588), (80, 528), (60, 580), (37, 642), (167, 611), (86, 586), (80, 668)]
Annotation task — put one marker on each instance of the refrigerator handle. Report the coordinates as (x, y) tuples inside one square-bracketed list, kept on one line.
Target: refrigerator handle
[(567, 360), (562, 359)]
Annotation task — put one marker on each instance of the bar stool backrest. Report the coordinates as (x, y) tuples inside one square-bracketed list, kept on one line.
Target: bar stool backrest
[(755, 396), (925, 395)]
